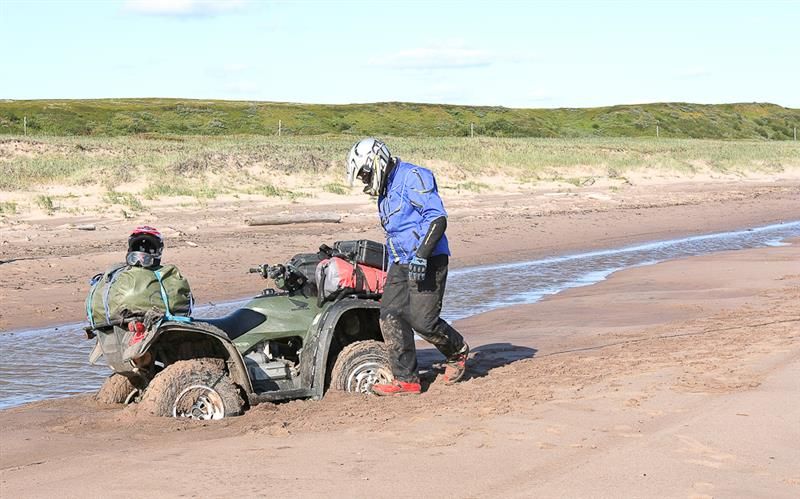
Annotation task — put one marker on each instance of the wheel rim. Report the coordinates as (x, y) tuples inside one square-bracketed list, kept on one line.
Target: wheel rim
[(131, 397), (367, 374), (198, 402)]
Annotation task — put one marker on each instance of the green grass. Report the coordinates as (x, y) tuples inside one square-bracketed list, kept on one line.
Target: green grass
[(181, 117), (471, 186), (335, 188), (155, 191), (8, 208), (584, 181), (206, 167), (124, 199), (269, 190), (45, 203)]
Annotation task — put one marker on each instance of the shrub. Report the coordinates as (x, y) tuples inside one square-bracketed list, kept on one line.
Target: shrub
[(8, 208), (336, 189), (45, 203)]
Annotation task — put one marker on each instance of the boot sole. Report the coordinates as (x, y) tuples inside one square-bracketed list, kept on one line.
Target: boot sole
[(462, 373), (455, 380)]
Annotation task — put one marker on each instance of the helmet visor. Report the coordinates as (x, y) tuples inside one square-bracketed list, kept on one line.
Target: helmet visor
[(140, 258)]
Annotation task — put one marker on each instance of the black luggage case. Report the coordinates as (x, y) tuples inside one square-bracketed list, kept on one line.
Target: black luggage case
[(306, 264), (364, 252)]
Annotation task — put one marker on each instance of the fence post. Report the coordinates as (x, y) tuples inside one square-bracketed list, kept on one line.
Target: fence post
[(656, 130), (471, 130), (25, 127), (279, 127)]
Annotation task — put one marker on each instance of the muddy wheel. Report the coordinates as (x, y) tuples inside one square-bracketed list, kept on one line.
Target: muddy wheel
[(359, 366), (118, 389), (196, 389)]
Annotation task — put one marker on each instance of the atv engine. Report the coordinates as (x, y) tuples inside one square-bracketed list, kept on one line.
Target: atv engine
[(273, 365)]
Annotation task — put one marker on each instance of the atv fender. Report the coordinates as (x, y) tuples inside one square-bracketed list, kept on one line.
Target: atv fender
[(325, 327), (235, 363)]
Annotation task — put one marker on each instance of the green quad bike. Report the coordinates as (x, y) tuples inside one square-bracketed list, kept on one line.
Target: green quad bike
[(283, 344)]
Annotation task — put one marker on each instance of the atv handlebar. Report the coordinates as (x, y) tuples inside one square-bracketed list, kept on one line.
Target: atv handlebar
[(263, 270), (268, 271), (286, 277)]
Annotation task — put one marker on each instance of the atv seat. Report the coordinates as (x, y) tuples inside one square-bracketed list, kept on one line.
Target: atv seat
[(236, 323)]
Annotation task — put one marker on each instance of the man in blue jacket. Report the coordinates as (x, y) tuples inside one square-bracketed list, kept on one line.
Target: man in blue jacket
[(414, 218)]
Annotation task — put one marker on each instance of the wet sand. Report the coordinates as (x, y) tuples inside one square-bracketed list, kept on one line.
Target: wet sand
[(672, 380), (47, 280)]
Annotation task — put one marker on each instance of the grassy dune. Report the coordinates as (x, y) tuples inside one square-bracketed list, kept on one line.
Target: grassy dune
[(205, 167), (125, 175), (115, 117)]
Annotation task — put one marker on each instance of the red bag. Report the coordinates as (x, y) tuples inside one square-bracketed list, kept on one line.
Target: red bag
[(337, 277)]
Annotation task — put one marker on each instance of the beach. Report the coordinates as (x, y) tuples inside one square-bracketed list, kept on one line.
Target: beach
[(677, 379)]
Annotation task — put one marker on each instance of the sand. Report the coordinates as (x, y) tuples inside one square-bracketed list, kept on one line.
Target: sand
[(51, 262), (672, 380)]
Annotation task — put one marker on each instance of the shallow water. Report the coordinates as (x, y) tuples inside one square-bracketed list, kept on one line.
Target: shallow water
[(52, 362), (480, 289)]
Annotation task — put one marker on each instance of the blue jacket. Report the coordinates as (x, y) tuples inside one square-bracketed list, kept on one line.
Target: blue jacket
[(407, 207)]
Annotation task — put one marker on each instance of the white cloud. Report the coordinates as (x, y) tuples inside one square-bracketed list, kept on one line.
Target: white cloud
[(443, 56), (534, 97), (229, 70), (183, 8), (242, 87), (443, 92), (235, 67), (694, 72)]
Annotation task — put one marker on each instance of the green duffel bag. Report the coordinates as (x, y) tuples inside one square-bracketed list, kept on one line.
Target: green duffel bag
[(124, 291)]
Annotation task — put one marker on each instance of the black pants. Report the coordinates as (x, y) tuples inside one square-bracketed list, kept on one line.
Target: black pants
[(409, 306)]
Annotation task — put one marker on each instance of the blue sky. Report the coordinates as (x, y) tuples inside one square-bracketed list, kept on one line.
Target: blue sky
[(508, 53)]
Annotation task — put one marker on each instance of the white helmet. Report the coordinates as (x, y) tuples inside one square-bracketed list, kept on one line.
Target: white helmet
[(368, 160)]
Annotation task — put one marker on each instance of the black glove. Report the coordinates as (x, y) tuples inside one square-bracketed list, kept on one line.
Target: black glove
[(416, 269)]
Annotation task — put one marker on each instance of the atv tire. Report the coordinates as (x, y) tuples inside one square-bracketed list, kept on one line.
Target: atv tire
[(196, 389), (119, 389), (360, 365)]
